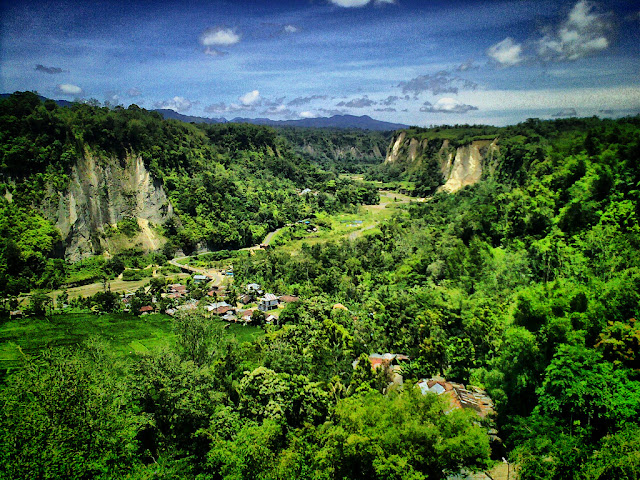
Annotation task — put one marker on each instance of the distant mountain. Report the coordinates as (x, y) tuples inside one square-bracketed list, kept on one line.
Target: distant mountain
[(172, 114), (363, 122)]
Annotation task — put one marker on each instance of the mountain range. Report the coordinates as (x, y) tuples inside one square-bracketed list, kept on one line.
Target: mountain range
[(363, 122)]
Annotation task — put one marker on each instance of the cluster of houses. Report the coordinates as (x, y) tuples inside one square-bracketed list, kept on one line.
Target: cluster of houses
[(253, 296)]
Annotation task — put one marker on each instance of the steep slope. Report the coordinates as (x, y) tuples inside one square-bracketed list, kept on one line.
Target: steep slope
[(458, 166), (101, 193)]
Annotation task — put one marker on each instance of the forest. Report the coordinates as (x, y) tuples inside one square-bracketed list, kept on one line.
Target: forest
[(525, 285)]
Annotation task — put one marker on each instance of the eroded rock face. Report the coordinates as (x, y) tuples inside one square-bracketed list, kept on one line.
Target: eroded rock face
[(102, 192), (460, 166)]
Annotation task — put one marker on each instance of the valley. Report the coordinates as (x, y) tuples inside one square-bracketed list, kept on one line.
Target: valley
[(242, 301)]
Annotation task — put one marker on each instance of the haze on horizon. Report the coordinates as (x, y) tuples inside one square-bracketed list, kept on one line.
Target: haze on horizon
[(405, 61)]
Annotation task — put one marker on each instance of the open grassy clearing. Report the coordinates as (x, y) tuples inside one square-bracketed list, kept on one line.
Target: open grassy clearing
[(126, 334), (349, 225)]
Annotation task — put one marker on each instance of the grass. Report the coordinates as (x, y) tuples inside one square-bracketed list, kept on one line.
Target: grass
[(127, 334)]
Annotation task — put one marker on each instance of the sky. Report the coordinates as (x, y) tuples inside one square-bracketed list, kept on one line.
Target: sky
[(414, 62)]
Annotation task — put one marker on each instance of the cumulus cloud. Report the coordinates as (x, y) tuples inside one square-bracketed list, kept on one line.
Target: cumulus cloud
[(290, 29), (250, 98), (438, 83), (219, 36), (134, 92), (299, 101), (506, 53), (308, 114), (584, 32), (178, 104), (358, 103), (68, 89), (49, 70), (566, 112), (447, 105)]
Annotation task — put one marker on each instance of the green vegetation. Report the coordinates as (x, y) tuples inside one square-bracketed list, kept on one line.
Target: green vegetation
[(526, 284)]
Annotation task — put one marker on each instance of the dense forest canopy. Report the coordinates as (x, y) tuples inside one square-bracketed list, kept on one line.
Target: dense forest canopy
[(526, 284)]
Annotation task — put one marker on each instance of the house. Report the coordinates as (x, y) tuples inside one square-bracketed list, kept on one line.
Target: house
[(219, 308), (146, 310), (245, 315), (177, 287), (253, 288), (230, 317), (459, 396), (246, 298), (271, 319), (289, 299), (170, 311), (268, 302), (200, 278)]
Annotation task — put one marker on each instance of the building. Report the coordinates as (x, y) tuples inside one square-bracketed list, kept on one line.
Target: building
[(459, 396), (289, 299), (268, 302), (200, 278)]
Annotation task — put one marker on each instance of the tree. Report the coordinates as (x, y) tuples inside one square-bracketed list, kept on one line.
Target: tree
[(67, 416)]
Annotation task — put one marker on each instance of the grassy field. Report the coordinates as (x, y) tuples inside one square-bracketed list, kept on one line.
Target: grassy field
[(352, 225), (126, 334)]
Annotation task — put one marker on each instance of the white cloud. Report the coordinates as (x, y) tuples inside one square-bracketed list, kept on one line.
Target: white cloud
[(219, 36), (506, 53), (69, 89), (447, 105), (250, 98), (179, 104), (584, 32), (290, 29), (308, 114)]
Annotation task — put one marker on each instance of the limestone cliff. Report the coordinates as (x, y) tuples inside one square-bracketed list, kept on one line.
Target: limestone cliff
[(459, 166), (102, 192)]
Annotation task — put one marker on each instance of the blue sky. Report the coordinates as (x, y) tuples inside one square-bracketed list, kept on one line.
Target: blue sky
[(415, 62)]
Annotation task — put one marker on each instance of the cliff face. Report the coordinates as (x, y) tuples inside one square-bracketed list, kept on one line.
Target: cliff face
[(459, 166), (102, 192)]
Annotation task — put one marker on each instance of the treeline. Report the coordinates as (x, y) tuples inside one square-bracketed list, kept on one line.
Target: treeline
[(527, 283)]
